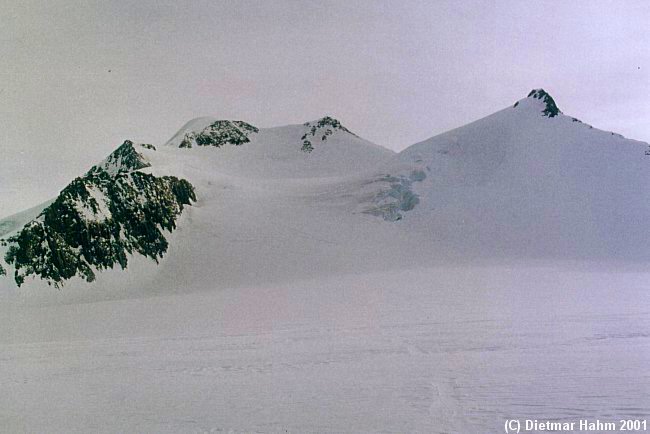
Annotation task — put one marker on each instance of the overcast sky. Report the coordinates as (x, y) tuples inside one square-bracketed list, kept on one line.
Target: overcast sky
[(79, 77)]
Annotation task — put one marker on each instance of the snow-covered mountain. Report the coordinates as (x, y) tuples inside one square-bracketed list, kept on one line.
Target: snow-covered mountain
[(299, 200), (140, 189), (529, 180), (302, 279)]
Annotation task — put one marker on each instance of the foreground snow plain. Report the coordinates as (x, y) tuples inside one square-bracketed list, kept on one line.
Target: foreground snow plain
[(441, 349)]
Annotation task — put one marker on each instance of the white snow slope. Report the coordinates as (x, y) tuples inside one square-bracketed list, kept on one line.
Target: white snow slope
[(496, 271), (521, 183)]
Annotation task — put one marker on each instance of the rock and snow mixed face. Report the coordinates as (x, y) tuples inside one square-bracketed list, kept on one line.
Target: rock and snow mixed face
[(99, 219)]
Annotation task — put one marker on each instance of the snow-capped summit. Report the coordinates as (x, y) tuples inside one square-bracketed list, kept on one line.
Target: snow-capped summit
[(516, 181), (540, 100), (126, 158)]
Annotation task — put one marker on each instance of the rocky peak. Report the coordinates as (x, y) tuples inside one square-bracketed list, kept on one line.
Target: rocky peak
[(220, 133), (126, 158), (550, 109), (320, 129)]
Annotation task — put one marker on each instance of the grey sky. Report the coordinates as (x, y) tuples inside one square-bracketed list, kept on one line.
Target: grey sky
[(79, 77)]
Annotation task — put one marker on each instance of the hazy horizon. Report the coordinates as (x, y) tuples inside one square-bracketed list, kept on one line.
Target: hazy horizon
[(81, 77)]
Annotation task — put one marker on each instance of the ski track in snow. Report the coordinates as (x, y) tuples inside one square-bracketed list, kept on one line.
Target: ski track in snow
[(381, 352)]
